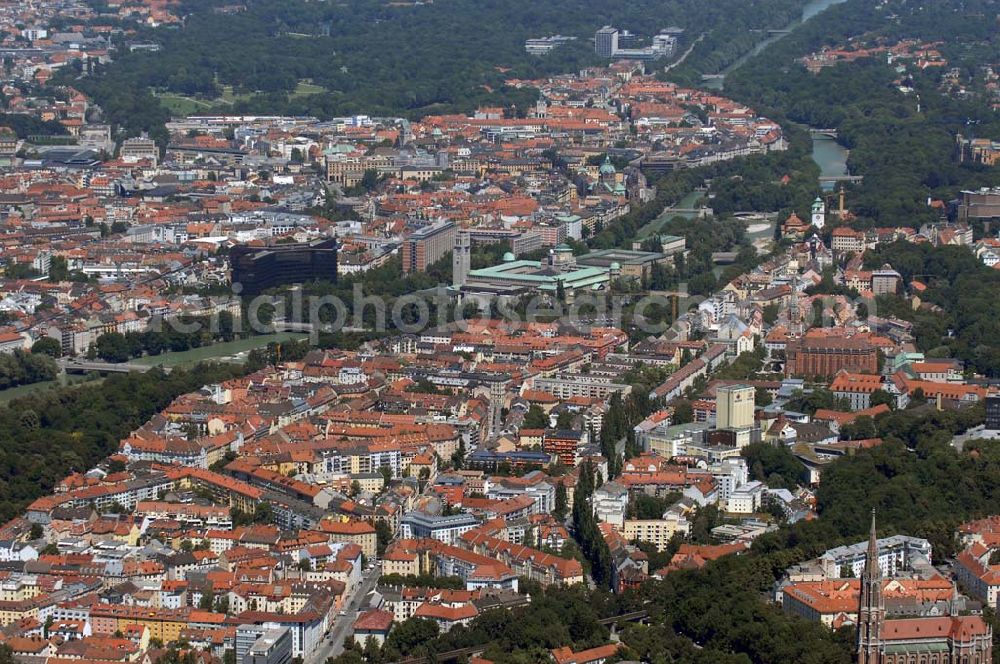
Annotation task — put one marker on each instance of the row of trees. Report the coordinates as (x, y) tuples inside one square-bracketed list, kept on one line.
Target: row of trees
[(21, 368), (585, 529), (118, 347)]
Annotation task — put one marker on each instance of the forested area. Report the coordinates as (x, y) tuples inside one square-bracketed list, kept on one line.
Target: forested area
[(964, 321), (46, 436), (903, 144), (28, 125), (751, 183), (385, 59)]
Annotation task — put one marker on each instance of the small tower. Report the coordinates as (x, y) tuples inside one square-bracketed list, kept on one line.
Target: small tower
[(871, 608), (843, 208), (819, 213)]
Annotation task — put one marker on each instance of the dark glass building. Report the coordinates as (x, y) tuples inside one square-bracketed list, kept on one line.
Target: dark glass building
[(260, 268), (993, 411)]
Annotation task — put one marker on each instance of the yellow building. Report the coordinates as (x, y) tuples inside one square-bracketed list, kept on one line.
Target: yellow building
[(361, 533), (655, 531), (734, 407)]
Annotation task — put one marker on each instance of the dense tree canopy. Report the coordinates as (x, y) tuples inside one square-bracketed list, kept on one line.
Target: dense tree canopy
[(964, 321), (902, 143), (390, 59), (46, 436)]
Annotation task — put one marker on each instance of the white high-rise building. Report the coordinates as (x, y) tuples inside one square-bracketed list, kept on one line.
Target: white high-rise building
[(606, 41)]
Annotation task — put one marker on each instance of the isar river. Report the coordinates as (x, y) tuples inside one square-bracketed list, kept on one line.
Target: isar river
[(829, 155), (811, 10)]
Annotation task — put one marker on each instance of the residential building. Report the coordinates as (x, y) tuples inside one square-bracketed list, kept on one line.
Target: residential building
[(894, 554), (747, 499), (856, 387)]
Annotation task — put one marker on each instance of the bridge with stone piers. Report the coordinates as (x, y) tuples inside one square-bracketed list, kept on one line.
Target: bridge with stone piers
[(829, 133), (70, 365)]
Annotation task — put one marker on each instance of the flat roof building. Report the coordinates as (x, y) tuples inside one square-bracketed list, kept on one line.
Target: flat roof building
[(427, 245), (258, 268), (634, 264), (559, 271)]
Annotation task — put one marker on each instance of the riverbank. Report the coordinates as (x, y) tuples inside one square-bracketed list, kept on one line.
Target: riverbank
[(228, 351), (688, 202), (233, 352), (831, 157), (63, 380)]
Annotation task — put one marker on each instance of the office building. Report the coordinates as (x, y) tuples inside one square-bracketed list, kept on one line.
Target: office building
[(993, 411), (138, 149), (610, 42), (631, 264), (663, 46), (258, 268), (427, 245), (273, 646), (606, 41), (447, 529), (246, 636), (545, 45), (734, 406)]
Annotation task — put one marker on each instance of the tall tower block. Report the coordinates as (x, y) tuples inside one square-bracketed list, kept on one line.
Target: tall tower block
[(461, 259)]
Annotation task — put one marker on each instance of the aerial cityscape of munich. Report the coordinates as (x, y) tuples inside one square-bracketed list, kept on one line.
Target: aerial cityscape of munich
[(499, 332)]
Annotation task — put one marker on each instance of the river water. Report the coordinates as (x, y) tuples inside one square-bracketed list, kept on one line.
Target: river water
[(811, 10), (830, 156)]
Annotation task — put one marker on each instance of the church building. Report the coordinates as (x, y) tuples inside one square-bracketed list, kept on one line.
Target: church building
[(940, 640)]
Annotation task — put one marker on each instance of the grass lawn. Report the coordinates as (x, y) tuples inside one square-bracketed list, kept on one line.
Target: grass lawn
[(219, 351), (181, 105), (307, 87)]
